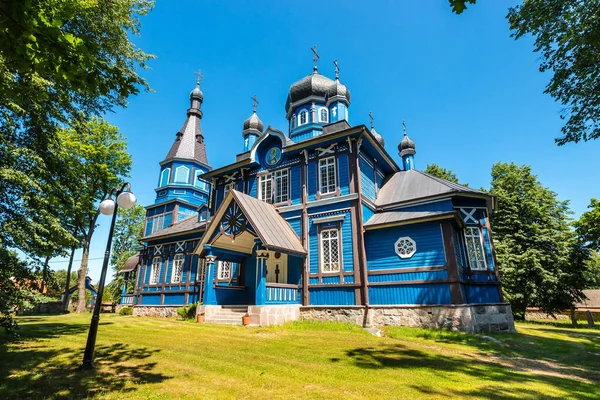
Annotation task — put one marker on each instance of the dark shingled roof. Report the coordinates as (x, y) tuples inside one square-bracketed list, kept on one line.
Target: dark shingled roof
[(593, 299), (188, 224), (390, 217), (131, 263), (314, 84), (336, 127), (405, 186)]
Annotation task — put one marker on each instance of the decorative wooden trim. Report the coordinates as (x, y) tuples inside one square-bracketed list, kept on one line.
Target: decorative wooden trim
[(413, 282), (229, 287), (453, 276), (283, 285), (406, 270), (334, 285)]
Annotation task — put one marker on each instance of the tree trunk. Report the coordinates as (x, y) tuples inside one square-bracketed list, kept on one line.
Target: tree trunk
[(82, 273), (44, 274), (67, 286)]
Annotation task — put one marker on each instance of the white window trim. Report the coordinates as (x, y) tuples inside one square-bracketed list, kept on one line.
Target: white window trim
[(338, 255), (409, 241), (327, 162), (155, 226), (475, 262), (178, 259), (168, 173), (187, 174), (277, 178), (326, 120), (262, 180), (303, 112), (155, 275), (220, 270), (227, 187), (199, 182)]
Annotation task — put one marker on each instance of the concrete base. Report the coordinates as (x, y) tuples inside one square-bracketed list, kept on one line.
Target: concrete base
[(155, 311), (259, 315), (464, 317)]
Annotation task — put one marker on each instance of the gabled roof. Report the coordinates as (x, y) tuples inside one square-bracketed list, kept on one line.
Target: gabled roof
[(407, 186), (274, 232), (593, 299), (188, 224), (131, 263), (401, 217)]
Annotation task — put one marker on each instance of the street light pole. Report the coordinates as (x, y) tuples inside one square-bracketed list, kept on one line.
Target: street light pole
[(88, 356)]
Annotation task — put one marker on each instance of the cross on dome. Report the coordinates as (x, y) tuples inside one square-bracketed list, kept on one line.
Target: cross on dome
[(371, 118), (316, 57), (200, 76), (255, 100), (337, 69)]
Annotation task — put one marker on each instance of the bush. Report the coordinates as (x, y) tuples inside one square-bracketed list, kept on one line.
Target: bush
[(188, 312), (126, 311)]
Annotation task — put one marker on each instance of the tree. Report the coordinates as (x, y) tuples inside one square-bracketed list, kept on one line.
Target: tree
[(129, 229), (541, 260), (439, 172), (458, 6), (56, 286), (97, 158), (592, 274), (588, 225)]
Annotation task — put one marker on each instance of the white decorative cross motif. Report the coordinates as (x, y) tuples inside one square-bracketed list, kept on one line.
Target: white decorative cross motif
[(468, 216), (180, 246), (334, 111), (328, 150), (158, 249), (229, 178)]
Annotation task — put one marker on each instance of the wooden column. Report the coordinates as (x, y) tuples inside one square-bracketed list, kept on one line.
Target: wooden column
[(451, 265), (359, 230), (304, 229)]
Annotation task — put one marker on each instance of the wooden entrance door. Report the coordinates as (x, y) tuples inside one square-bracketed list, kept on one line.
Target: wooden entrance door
[(277, 268)]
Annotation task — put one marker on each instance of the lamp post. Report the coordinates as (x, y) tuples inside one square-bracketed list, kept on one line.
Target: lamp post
[(125, 199)]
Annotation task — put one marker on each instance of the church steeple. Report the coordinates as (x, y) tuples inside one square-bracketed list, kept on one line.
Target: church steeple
[(189, 141), (253, 127), (406, 150)]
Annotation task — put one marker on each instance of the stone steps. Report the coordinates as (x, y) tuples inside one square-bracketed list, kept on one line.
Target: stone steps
[(228, 316)]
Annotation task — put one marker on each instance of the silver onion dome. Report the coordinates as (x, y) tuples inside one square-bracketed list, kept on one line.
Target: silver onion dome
[(378, 137), (314, 84), (338, 89), (254, 123)]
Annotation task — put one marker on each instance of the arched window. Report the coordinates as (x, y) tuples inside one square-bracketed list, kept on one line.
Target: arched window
[(323, 115), (199, 182), (303, 118), (182, 174), (164, 176), (293, 121)]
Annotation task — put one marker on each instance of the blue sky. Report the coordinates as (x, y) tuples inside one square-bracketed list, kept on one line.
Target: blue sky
[(469, 93)]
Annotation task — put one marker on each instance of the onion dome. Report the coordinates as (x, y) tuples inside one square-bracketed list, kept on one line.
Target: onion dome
[(406, 146), (254, 123), (197, 93), (377, 137), (314, 84), (338, 89)]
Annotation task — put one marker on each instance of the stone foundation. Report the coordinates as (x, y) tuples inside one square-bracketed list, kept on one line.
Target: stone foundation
[(51, 307), (155, 311), (532, 314), (273, 315), (465, 317)]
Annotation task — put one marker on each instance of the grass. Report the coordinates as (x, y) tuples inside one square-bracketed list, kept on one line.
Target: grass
[(160, 359)]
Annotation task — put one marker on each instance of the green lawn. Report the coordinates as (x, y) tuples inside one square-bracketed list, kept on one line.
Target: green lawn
[(160, 358)]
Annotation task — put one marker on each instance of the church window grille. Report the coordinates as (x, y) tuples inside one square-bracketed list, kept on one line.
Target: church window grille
[(224, 269), (281, 188), (303, 117), (158, 223), (177, 270), (323, 115), (475, 249), (327, 182), (181, 174), (265, 186), (164, 177), (228, 186), (405, 247), (330, 250), (155, 271)]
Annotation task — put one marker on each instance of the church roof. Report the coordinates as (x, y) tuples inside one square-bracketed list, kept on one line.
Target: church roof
[(407, 186), (188, 224), (314, 84), (396, 217), (131, 263)]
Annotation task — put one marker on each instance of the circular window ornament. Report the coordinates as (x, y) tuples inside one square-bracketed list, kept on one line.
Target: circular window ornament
[(405, 247), (273, 156)]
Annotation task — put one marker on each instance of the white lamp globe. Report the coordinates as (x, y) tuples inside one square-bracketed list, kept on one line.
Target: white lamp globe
[(126, 200), (107, 207)]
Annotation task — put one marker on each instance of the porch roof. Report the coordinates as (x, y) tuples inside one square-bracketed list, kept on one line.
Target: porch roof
[(273, 230), (131, 263)]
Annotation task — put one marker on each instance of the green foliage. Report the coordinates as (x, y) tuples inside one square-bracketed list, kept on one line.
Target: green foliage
[(588, 225), (188, 312), (56, 283), (567, 36), (541, 261), (126, 311), (439, 172), (458, 6), (14, 276), (592, 273)]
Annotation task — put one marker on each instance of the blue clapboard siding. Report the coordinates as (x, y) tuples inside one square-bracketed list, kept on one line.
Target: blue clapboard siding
[(367, 213), (330, 279), (488, 248), (381, 253), (444, 205), (344, 174), (483, 277), (193, 297), (151, 299), (338, 296), (409, 276), (311, 181), (252, 186), (367, 177), (434, 293), (349, 279), (230, 296), (379, 180), (461, 258), (295, 184), (346, 242), (483, 294), (296, 224), (313, 281), (174, 299)]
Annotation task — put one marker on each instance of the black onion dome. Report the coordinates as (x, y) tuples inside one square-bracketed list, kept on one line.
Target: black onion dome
[(254, 123), (338, 89), (406, 145), (378, 137), (314, 84), (197, 93)]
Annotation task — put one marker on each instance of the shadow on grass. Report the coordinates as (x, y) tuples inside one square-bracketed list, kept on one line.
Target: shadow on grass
[(400, 357), (31, 369)]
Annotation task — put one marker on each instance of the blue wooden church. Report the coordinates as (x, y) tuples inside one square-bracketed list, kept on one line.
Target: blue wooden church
[(319, 222)]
